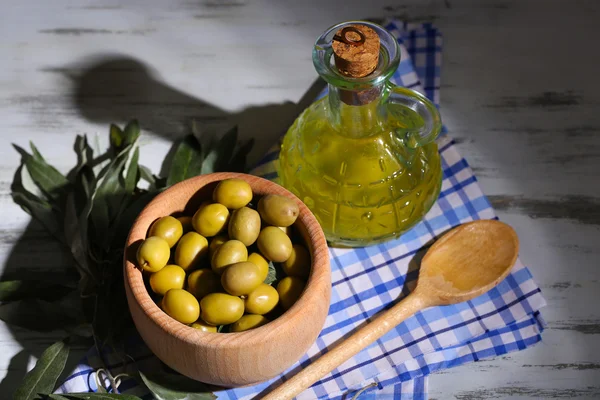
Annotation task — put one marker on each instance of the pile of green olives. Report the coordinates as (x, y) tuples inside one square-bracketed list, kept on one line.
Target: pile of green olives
[(234, 265)]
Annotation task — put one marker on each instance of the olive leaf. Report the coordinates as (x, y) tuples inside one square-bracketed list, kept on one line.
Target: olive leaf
[(187, 161), (167, 386), (147, 175), (129, 215), (84, 153), (131, 132), (275, 274), (50, 181), (132, 176), (107, 198), (38, 208), (238, 163), (219, 157), (48, 178), (38, 315), (75, 227), (42, 378), (111, 314), (92, 396), (26, 289), (115, 136)]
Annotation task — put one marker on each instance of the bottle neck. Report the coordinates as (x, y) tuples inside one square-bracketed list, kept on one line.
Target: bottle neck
[(357, 114)]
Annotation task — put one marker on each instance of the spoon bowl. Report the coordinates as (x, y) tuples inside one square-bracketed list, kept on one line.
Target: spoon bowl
[(466, 262)]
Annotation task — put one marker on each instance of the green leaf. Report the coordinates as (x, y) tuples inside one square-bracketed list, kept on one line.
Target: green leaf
[(78, 207), (109, 182), (39, 209), (128, 217), (146, 175), (167, 386), (36, 154), (93, 396), (76, 236), (218, 158), (238, 163), (116, 136), (131, 132), (132, 176), (85, 185), (107, 201), (46, 177), (187, 161), (27, 289), (85, 154), (38, 315), (42, 378), (274, 274)]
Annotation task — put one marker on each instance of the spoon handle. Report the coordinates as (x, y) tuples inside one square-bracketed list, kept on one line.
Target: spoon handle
[(345, 349)]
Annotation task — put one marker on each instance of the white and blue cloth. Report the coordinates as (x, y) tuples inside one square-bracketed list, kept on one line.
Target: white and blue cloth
[(367, 280)]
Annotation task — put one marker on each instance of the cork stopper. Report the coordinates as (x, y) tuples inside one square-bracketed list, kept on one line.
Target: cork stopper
[(356, 50)]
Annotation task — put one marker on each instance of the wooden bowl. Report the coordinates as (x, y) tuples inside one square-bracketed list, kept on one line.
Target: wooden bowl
[(228, 359)]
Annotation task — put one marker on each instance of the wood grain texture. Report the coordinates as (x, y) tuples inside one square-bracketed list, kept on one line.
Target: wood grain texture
[(519, 93), (232, 359)]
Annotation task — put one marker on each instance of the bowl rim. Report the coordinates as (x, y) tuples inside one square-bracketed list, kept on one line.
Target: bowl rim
[(134, 277)]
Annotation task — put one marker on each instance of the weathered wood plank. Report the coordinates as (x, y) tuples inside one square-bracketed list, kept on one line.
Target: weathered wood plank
[(582, 209)]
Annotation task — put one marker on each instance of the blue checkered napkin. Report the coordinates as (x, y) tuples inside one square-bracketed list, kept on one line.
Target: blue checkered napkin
[(366, 280)]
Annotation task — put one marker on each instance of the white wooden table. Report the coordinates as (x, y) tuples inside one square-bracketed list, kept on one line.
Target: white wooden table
[(520, 93)]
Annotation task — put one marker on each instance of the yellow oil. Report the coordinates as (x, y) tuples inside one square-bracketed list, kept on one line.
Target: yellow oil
[(363, 188)]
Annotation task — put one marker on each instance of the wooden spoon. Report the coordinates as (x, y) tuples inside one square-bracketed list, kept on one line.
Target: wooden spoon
[(465, 263)]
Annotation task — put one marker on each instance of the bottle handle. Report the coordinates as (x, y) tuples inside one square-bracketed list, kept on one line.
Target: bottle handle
[(415, 101)]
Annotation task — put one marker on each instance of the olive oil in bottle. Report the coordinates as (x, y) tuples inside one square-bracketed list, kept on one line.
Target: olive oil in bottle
[(363, 158)]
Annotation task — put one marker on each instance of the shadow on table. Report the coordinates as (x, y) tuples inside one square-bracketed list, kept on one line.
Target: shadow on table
[(114, 89), (43, 259)]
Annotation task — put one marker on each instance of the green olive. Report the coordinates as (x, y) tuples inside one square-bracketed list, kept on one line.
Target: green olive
[(299, 262), (169, 277), (190, 251), (233, 193), (289, 288), (203, 326), (262, 300), (241, 278), (168, 228), (203, 204), (186, 223), (202, 282), (221, 308), (230, 252), (274, 244), (210, 220), (215, 243), (153, 254), (244, 225), (247, 322), (181, 305), (278, 210), (261, 263)]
